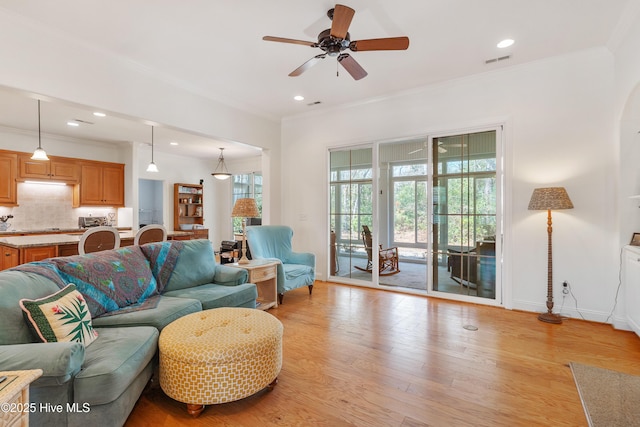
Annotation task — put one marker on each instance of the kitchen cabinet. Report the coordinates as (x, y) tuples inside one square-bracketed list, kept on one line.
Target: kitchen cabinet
[(8, 175), (101, 184), (9, 257), (54, 169), (38, 253)]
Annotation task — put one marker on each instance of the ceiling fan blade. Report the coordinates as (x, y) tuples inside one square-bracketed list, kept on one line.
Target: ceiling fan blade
[(352, 66), (342, 16), (292, 41), (304, 67), (390, 43)]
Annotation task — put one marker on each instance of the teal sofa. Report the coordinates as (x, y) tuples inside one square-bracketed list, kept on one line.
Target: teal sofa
[(296, 269), (107, 377)]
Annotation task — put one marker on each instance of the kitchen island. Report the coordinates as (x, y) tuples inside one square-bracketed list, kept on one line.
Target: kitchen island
[(16, 250)]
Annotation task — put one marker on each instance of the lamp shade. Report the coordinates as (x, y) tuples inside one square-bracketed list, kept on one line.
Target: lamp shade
[(550, 198), (245, 208)]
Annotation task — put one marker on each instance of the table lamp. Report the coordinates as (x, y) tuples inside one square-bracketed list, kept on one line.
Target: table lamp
[(245, 208), (547, 199)]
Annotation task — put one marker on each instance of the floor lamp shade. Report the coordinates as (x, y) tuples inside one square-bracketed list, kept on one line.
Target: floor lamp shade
[(550, 198), (245, 208)]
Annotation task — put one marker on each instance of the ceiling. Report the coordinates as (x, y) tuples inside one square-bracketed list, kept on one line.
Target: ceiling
[(216, 48)]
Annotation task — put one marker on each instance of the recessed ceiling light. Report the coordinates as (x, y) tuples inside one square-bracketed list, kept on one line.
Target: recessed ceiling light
[(99, 114), (505, 43), (299, 98), (173, 143), (73, 124)]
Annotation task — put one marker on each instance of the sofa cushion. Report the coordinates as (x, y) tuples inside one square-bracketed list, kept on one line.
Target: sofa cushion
[(60, 317), (293, 271), (195, 264), (59, 361), (167, 310), (109, 280), (113, 362), (213, 296), (15, 285)]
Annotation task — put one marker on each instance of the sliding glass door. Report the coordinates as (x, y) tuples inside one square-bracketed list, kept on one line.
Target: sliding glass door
[(465, 214), (351, 210), (422, 214)]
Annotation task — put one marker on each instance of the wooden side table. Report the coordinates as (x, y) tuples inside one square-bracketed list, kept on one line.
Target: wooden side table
[(14, 397), (263, 273)]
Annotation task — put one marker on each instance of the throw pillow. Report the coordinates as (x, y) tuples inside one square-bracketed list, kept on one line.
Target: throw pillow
[(194, 265), (61, 317), (109, 280)]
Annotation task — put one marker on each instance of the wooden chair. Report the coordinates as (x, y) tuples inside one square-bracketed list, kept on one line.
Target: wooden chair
[(99, 239), (388, 261), (150, 233)]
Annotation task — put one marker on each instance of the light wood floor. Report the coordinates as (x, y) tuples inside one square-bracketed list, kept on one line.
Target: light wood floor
[(362, 357)]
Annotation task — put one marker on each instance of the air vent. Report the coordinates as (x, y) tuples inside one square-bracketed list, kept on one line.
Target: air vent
[(314, 103), (502, 58)]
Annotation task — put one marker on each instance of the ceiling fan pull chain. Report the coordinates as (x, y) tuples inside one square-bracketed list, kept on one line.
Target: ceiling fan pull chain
[(337, 70)]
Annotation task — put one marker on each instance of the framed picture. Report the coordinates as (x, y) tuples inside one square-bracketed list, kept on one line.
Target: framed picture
[(635, 240)]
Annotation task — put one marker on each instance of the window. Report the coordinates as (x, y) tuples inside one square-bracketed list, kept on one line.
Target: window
[(409, 204), (246, 185)]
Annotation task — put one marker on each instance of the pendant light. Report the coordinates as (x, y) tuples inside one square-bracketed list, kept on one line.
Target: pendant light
[(152, 166), (39, 154), (221, 171)]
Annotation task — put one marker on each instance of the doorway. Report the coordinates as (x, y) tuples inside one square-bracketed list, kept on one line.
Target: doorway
[(150, 202)]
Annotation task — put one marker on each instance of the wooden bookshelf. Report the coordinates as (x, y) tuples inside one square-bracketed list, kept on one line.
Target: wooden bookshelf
[(188, 210)]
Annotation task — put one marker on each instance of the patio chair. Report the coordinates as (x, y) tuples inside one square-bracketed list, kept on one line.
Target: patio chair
[(388, 261)]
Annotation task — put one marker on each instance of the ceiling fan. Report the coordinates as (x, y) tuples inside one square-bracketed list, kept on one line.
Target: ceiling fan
[(335, 40)]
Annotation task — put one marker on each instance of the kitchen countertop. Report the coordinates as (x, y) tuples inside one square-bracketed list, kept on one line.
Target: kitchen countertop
[(74, 230), (21, 242)]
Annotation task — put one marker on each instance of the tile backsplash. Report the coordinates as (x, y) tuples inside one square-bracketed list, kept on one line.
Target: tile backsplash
[(44, 206)]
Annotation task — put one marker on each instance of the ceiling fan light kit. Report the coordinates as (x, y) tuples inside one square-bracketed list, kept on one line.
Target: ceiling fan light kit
[(335, 40)]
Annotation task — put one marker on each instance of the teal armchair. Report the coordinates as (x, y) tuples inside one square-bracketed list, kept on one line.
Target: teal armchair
[(274, 242)]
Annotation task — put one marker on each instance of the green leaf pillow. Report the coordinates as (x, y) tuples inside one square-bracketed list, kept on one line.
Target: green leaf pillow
[(61, 317)]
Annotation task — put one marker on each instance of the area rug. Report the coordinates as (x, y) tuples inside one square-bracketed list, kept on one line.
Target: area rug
[(609, 398)]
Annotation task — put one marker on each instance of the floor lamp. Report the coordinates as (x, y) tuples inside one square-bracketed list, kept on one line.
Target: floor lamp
[(245, 208), (548, 199)]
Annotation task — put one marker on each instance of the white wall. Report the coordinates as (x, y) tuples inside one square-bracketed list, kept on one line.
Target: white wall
[(47, 63), (559, 131), (627, 121), (179, 169)]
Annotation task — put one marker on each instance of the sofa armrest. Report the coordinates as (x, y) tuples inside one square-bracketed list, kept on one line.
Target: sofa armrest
[(58, 360), (304, 258), (230, 276)]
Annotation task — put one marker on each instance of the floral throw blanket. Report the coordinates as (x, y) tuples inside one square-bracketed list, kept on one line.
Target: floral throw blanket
[(112, 282)]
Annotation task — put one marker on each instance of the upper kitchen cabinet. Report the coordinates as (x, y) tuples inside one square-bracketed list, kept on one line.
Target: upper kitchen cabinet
[(101, 184), (55, 169), (8, 174)]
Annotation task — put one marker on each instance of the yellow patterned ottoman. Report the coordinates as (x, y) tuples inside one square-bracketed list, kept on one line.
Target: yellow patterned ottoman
[(219, 355)]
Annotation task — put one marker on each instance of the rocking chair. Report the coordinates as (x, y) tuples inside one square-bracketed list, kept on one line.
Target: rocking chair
[(388, 262)]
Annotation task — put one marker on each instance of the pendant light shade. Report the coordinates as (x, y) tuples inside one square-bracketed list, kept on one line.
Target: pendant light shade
[(152, 166), (221, 171), (39, 153)]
